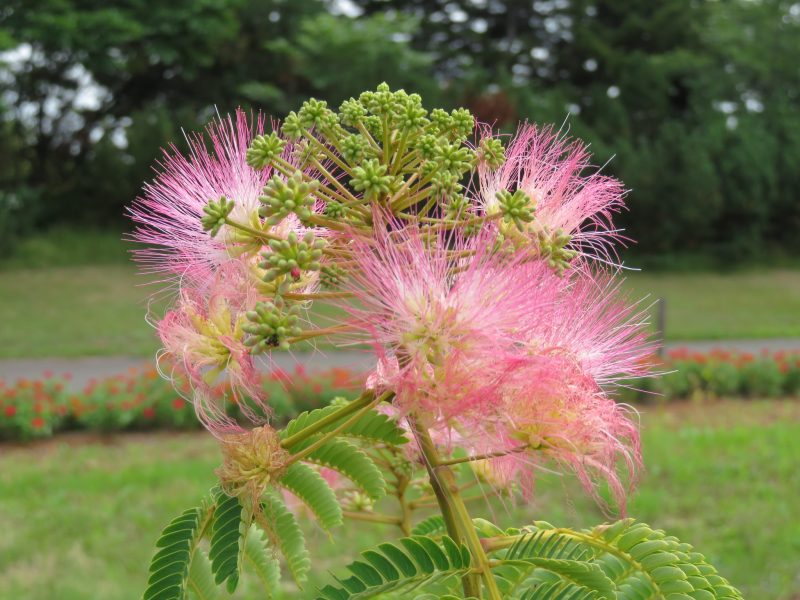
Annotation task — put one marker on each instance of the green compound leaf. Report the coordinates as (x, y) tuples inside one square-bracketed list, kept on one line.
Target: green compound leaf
[(575, 573), (309, 486), (558, 590), (288, 536), (415, 562), (227, 540), (372, 426), (634, 562), (169, 567), (433, 525), (347, 459), (201, 584), (259, 558)]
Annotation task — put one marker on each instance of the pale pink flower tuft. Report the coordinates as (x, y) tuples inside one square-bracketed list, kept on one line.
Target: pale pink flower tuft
[(169, 212), (204, 342), (561, 415), (443, 316), (552, 170)]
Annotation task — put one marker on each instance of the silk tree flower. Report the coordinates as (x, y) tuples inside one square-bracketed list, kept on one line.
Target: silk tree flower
[(554, 406), (169, 212), (203, 339), (588, 319), (568, 205), (444, 316), (552, 412)]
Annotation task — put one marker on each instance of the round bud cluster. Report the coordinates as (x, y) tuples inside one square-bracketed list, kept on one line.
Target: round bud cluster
[(264, 149), (372, 179), (553, 247), (282, 198), (516, 207), (292, 256), (271, 325), (215, 214)]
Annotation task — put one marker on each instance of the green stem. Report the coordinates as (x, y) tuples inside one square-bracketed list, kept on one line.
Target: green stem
[(335, 416), (455, 514), (332, 434), (488, 455), (370, 140), (256, 233), (324, 149), (371, 517)]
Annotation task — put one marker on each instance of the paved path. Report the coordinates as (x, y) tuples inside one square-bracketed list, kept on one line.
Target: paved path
[(84, 369)]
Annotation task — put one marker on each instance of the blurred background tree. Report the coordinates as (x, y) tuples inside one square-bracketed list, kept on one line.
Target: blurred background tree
[(693, 104)]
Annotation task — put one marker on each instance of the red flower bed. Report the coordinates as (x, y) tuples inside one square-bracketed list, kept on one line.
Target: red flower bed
[(721, 373), (141, 400)]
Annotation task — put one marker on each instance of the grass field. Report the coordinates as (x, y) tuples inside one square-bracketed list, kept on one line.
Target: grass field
[(70, 294), (79, 519), (100, 309)]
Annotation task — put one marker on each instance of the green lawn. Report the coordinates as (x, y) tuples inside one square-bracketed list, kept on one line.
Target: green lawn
[(74, 311), (79, 520), (99, 310), (66, 293), (738, 305)]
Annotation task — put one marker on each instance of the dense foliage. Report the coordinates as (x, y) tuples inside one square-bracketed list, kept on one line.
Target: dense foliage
[(695, 99)]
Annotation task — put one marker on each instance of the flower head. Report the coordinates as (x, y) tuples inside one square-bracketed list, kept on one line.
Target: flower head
[(170, 214), (444, 315), (564, 207), (203, 337), (251, 462), (552, 411)]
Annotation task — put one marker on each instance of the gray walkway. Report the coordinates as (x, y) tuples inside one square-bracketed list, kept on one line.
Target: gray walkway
[(84, 369)]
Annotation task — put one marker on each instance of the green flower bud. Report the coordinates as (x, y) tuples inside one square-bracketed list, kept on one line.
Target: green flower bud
[(426, 146), (374, 125), (383, 102), (463, 122), (441, 121), (331, 277), (281, 198), (315, 113), (334, 210), (355, 148), (445, 184), (454, 158), (371, 178), (271, 325), (216, 213), (292, 126), (457, 207), (411, 116), (352, 112), (264, 149), (492, 153), (292, 256), (553, 247), (517, 207)]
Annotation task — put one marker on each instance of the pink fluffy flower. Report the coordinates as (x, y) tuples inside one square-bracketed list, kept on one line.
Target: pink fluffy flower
[(169, 212), (589, 320), (551, 169), (444, 316), (203, 340), (553, 412)]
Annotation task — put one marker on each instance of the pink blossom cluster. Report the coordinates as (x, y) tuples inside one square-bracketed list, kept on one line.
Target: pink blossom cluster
[(480, 340)]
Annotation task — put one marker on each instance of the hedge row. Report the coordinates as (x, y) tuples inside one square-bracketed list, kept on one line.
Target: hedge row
[(718, 374), (141, 400)]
